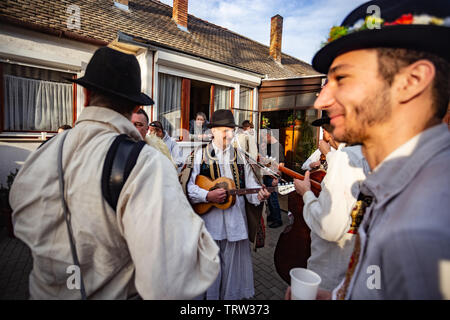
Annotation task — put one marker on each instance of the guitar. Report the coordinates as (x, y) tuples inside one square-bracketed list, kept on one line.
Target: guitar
[(229, 185)]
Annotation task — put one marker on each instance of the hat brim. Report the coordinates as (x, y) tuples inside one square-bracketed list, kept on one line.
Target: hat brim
[(320, 122), (429, 38), (140, 99), (222, 123), (212, 125)]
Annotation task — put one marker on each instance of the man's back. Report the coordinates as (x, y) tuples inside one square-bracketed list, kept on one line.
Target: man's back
[(117, 250)]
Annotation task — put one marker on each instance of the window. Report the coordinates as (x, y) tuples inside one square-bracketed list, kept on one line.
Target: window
[(245, 110), (289, 102), (222, 97), (169, 102), (36, 99)]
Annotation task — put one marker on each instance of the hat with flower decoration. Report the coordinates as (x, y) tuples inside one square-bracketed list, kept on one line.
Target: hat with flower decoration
[(410, 24)]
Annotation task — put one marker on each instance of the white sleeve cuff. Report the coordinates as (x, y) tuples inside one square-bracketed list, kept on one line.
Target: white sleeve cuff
[(203, 193), (308, 196)]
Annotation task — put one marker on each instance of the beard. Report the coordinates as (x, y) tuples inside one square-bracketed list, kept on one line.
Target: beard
[(371, 111)]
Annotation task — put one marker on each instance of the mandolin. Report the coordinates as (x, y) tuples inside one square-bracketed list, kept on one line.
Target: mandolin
[(229, 185)]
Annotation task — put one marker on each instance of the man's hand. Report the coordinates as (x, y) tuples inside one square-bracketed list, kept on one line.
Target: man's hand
[(302, 186), (217, 196), (314, 164), (324, 147), (263, 194)]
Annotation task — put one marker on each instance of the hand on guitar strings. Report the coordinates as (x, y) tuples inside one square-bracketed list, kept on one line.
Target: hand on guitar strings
[(301, 187), (217, 195)]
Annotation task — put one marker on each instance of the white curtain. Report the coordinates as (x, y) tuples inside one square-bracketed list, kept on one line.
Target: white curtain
[(169, 102), (245, 98), (36, 105), (222, 96)]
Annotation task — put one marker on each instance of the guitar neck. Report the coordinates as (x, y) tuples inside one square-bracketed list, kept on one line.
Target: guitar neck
[(241, 192), (314, 185)]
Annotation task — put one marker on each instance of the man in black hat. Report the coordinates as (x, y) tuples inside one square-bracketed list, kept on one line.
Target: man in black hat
[(388, 77), (148, 244), (326, 145), (228, 227)]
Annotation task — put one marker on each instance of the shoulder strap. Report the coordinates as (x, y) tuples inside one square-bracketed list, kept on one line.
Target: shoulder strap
[(67, 215), (120, 160)]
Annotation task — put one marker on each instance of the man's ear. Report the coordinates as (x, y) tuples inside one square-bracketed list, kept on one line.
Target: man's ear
[(413, 80), (87, 97)]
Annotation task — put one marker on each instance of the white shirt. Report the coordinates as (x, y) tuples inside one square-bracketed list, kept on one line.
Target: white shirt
[(153, 242), (173, 149), (230, 224), (315, 156), (329, 217)]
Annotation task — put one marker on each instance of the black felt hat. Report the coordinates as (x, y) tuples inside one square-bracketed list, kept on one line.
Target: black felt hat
[(112, 72), (222, 118), (321, 121), (422, 25)]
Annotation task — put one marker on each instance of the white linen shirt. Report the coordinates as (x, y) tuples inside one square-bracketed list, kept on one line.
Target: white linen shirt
[(328, 216), (230, 224), (173, 149), (153, 242)]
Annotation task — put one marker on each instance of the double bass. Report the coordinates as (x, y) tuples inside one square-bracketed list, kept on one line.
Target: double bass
[(294, 244)]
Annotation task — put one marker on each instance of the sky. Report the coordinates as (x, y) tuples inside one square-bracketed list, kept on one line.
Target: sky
[(306, 23)]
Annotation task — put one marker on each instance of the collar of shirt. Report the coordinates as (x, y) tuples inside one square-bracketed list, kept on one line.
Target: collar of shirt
[(223, 156), (401, 166), (111, 118)]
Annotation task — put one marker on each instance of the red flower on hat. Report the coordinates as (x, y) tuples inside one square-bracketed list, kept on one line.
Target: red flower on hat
[(404, 19)]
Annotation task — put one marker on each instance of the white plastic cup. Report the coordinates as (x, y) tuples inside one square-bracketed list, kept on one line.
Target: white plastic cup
[(304, 284), (43, 135)]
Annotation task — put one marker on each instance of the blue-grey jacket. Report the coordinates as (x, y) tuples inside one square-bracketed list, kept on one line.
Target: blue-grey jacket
[(405, 233)]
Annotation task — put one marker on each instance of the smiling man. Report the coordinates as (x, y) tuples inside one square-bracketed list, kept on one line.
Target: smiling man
[(388, 78)]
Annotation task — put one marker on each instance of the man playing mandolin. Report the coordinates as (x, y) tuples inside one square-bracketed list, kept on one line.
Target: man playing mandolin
[(228, 227)]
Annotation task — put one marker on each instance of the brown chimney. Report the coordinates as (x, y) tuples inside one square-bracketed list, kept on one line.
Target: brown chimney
[(276, 31), (180, 13)]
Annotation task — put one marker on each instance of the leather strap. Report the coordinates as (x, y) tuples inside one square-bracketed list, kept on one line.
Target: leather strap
[(120, 160)]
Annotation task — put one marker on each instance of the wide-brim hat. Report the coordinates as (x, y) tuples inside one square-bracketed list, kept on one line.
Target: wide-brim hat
[(321, 121), (113, 72), (411, 24), (222, 118)]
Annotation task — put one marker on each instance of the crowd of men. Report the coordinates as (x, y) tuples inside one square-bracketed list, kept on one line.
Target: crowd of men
[(384, 203)]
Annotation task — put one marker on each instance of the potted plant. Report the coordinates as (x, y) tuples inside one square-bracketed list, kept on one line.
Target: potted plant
[(5, 208)]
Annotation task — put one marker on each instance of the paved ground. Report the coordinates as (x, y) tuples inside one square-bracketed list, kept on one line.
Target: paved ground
[(16, 264)]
